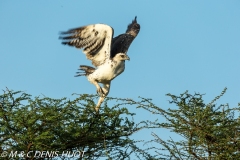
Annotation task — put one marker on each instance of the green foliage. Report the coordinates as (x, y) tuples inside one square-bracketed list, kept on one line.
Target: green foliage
[(46, 124), (208, 131)]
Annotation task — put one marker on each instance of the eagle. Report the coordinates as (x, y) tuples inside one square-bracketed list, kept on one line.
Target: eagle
[(107, 54)]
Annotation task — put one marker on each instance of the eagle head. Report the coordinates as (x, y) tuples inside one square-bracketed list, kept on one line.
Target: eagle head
[(133, 28), (121, 57)]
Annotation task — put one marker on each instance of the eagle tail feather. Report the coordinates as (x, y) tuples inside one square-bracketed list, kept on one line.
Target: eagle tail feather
[(84, 71)]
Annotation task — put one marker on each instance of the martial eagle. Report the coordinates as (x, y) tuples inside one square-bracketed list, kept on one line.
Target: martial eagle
[(107, 54)]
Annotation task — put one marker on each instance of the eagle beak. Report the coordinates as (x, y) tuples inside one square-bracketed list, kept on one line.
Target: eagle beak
[(128, 58)]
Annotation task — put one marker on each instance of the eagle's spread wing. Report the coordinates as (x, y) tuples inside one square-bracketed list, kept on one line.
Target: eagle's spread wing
[(94, 39), (121, 43)]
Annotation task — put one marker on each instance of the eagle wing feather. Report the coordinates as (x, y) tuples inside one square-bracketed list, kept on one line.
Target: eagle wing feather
[(95, 40)]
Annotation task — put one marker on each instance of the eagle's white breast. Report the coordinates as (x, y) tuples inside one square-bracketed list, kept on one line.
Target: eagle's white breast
[(108, 71)]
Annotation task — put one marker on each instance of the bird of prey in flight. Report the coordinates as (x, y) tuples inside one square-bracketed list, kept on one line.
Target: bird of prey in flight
[(107, 54)]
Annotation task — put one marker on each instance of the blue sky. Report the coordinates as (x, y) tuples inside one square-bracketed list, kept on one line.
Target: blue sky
[(182, 45)]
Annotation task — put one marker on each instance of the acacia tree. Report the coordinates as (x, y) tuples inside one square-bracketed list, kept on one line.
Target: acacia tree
[(64, 126), (208, 131), (41, 124)]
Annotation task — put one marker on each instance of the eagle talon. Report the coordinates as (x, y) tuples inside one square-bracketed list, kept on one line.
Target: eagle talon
[(100, 92)]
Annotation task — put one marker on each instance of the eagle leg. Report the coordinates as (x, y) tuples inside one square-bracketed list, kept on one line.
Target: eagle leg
[(99, 89), (105, 89), (101, 99), (100, 92)]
